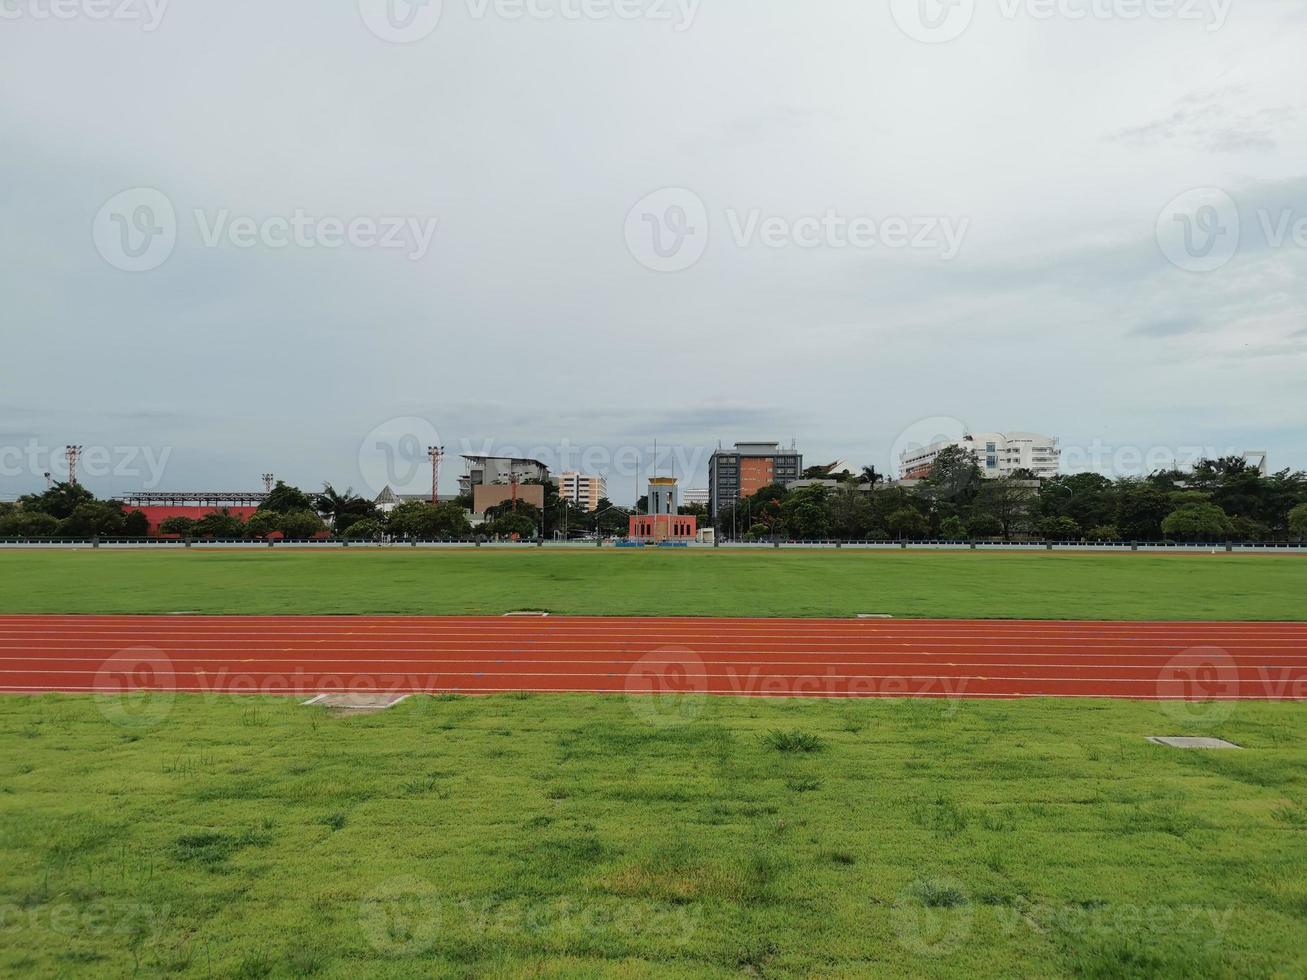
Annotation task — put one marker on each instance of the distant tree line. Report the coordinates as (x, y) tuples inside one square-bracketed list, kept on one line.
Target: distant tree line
[(1222, 499), (1219, 500), (70, 510)]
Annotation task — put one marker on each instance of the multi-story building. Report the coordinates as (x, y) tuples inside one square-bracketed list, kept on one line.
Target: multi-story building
[(997, 453), (734, 474), (494, 480), (692, 496), (501, 470), (582, 489)]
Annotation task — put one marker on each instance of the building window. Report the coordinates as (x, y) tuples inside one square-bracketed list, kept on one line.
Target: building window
[(991, 462)]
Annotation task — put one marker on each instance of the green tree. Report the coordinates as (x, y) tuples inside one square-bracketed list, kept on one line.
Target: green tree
[(609, 519), (1298, 521), (952, 528), (1141, 508), (869, 476), (23, 523), (806, 514), (343, 509), (1105, 532), (218, 524), (263, 523), (1057, 528), (908, 523), (509, 524), (1007, 500), (424, 521), (983, 525), (955, 476), (180, 526), (284, 499), (299, 524), (91, 519), (59, 501), (1197, 522), (136, 524), (368, 529), (851, 514), (1087, 498)]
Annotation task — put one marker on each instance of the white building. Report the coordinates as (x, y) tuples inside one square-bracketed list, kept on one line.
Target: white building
[(998, 453), (691, 496), (583, 489)]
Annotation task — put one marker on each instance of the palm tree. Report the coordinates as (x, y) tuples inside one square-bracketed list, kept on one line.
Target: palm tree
[(869, 475), (343, 509)]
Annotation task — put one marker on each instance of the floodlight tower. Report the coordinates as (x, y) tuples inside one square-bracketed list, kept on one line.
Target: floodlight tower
[(71, 454), (267, 482), (436, 453)]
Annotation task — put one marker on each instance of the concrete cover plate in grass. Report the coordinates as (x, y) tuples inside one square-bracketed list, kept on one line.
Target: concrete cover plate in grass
[(1191, 742), (357, 702)]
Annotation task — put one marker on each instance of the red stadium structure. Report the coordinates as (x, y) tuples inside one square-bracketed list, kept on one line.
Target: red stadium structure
[(159, 506)]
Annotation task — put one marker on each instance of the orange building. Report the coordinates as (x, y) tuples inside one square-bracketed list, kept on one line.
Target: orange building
[(663, 523)]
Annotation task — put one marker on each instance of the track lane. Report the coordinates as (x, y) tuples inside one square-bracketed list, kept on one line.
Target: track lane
[(835, 658)]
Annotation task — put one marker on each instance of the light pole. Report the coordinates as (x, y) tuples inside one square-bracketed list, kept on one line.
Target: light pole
[(436, 453)]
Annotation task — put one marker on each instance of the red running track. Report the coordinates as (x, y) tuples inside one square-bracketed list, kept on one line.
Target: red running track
[(777, 657)]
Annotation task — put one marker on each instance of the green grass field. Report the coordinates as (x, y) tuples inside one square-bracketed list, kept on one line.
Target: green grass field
[(699, 583), (595, 837)]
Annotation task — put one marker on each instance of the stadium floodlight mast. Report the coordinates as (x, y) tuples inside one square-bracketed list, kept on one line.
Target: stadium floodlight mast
[(71, 453), (436, 453)]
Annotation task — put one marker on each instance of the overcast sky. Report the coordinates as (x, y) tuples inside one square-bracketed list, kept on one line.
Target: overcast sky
[(243, 237)]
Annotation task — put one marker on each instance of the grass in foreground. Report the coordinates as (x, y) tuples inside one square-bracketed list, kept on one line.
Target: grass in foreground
[(598, 837), (699, 583)]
